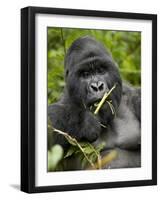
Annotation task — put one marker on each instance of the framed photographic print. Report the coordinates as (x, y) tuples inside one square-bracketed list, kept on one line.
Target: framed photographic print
[(88, 99)]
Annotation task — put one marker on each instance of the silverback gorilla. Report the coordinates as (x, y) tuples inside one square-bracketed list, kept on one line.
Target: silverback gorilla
[(90, 71)]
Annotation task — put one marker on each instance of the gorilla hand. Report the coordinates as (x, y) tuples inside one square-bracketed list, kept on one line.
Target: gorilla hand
[(91, 127), (105, 113)]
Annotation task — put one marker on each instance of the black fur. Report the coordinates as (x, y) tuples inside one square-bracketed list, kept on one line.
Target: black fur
[(89, 72)]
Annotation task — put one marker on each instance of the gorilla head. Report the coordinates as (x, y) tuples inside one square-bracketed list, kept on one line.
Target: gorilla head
[(90, 72)]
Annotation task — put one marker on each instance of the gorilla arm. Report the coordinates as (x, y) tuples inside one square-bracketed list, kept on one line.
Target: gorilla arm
[(81, 124)]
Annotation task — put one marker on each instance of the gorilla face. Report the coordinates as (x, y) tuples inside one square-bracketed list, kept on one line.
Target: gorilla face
[(94, 82), (90, 72)]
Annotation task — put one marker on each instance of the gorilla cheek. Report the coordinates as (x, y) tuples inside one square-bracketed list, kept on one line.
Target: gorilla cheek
[(72, 85), (75, 88), (116, 96)]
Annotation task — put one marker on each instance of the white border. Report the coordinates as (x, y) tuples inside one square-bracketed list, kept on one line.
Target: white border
[(77, 177)]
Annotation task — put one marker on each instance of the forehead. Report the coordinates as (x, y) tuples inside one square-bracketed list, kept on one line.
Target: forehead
[(94, 62)]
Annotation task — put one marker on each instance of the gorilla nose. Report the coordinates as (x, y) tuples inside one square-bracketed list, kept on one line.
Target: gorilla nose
[(97, 86)]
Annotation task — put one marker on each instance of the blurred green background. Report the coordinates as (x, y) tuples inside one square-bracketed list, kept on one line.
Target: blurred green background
[(124, 46)]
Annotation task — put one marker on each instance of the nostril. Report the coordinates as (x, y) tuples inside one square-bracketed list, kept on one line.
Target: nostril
[(94, 88), (97, 86), (101, 86)]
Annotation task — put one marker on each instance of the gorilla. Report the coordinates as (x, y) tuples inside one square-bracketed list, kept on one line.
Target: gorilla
[(90, 71)]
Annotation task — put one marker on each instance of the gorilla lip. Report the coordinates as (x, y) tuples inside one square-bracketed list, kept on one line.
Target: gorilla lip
[(94, 101)]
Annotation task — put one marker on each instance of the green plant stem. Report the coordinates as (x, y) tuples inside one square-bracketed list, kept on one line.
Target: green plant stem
[(104, 99), (66, 135), (111, 107), (106, 159), (98, 156)]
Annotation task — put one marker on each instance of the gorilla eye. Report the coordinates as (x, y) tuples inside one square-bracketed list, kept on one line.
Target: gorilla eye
[(100, 70), (85, 74)]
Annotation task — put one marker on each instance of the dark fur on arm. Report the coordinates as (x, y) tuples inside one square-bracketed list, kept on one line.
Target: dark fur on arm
[(81, 124)]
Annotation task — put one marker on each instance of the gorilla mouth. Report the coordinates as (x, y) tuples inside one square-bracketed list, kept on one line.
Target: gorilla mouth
[(98, 102), (94, 102), (95, 99)]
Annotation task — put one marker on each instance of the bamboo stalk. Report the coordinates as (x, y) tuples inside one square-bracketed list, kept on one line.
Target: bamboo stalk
[(105, 160), (103, 99)]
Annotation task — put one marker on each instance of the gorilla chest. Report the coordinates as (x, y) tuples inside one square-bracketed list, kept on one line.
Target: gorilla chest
[(123, 132)]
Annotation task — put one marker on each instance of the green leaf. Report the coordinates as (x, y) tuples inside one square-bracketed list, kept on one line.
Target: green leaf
[(70, 141), (54, 156), (88, 150), (100, 147), (70, 152)]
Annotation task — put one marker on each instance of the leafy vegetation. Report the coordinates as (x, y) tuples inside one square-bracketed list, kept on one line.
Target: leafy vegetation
[(89, 155)]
